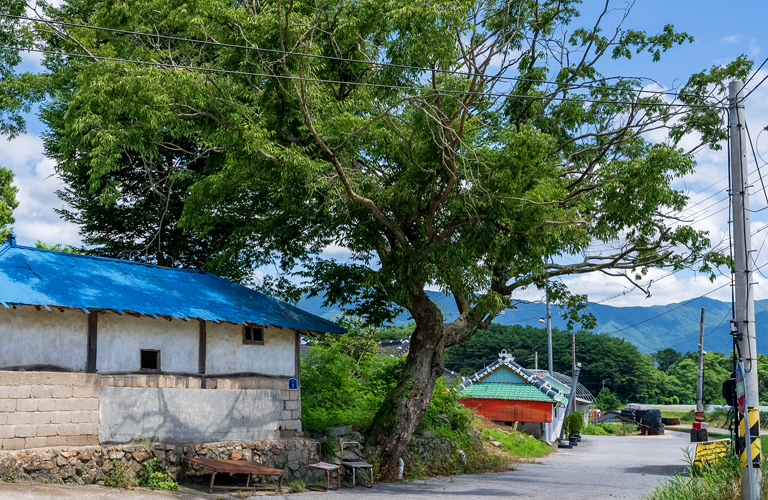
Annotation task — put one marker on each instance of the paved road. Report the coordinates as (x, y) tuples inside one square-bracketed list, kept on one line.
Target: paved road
[(601, 467)]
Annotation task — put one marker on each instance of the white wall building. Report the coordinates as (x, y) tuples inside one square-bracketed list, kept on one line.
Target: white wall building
[(100, 350)]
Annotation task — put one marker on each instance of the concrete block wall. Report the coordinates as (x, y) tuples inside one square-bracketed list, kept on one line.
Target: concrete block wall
[(290, 417), (42, 409)]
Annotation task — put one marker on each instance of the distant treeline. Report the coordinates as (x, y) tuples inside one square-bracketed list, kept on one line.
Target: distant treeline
[(666, 376)]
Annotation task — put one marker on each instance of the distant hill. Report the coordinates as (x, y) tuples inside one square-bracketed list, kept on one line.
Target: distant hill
[(678, 328)]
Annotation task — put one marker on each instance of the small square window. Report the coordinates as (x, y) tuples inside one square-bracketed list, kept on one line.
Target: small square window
[(253, 335), (150, 359)]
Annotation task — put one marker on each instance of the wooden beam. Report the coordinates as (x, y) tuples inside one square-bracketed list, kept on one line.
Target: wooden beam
[(93, 328), (201, 352)]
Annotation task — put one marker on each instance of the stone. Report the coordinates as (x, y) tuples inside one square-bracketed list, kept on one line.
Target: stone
[(495, 443), (237, 455), (140, 456)]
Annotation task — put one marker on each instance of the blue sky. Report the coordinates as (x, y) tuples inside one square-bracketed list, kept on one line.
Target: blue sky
[(721, 34)]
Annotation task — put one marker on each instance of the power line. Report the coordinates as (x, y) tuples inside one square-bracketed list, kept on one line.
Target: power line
[(750, 79), (363, 84), (666, 312), (342, 59)]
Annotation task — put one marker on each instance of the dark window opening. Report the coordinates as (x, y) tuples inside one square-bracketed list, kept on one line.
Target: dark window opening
[(150, 359), (253, 335)]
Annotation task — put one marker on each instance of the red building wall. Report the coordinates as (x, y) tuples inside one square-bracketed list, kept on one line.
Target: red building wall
[(511, 411)]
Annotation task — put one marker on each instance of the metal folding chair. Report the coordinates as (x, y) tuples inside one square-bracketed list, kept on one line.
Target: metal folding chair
[(325, 466), (355, 464)]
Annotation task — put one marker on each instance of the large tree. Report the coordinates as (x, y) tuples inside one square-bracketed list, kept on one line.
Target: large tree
[(458, 144)]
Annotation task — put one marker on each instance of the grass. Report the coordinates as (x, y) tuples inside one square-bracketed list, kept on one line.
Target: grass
[(517, 444), (686, 417), (609, 429), (717, 481)]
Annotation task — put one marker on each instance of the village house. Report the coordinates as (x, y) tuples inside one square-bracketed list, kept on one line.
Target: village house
[(508, 394), (98, 351)]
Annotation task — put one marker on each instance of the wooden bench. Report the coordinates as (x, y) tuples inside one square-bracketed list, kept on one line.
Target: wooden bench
[(236, 467)]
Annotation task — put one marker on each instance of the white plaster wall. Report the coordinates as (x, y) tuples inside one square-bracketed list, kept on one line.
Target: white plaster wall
[(121, 339), (30, 337), (225, 352)]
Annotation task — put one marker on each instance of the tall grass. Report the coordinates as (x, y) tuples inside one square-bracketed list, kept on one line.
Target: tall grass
[(718, 481), (517, 444)]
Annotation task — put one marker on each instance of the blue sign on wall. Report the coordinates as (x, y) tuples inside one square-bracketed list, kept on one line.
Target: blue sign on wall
[(293, 384)]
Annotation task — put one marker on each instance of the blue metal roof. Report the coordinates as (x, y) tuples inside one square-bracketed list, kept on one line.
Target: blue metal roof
[(33, 276)]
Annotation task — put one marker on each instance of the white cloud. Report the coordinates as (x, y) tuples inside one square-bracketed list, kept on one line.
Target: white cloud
[(754, 48), (35, 177), (731, 39)]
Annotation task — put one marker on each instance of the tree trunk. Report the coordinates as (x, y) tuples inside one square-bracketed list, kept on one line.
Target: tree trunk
[(406, 404)]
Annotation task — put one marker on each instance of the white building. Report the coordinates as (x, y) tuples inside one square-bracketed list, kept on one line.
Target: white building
[(99, 350)]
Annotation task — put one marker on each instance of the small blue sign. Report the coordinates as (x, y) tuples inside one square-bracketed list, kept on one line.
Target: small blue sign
[(293, 384)]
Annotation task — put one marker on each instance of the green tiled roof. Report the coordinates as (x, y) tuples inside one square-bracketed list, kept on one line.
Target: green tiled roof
[(519, 392)]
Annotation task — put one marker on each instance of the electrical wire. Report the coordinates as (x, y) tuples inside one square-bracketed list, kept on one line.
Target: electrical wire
[(362, 84), (666, 312), (342, 59)]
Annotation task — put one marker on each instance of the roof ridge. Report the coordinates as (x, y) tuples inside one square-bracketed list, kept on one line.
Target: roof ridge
[(6, 246)]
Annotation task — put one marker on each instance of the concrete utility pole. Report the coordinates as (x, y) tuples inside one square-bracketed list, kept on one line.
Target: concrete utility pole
[(573, 353), (549, 339), (744, 298), (536, 360), (700, 378)]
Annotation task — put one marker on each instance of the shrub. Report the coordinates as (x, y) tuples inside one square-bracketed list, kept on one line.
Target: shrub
[(151, 475), (296, 486), (118, 477), (573, 423)]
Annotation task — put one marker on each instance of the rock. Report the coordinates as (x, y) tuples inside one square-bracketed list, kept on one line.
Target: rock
[(140, 456), (495, 443), (237, 455)]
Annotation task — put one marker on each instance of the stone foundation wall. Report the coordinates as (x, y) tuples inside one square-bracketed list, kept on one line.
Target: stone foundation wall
[(91, 464), (43, 409)]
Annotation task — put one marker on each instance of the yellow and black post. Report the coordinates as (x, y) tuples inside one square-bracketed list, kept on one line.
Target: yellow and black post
[(754, 436)]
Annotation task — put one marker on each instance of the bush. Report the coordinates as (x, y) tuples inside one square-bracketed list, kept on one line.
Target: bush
[(345, 378), (151, 475), (573, 423), (118, 477)]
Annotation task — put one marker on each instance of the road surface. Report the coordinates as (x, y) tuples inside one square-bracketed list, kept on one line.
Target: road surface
[(600, 467)]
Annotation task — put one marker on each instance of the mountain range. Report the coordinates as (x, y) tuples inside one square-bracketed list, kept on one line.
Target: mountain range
[(650, 328)]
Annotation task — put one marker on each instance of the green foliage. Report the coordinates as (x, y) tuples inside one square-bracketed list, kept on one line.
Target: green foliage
[(426, 176), (396, 332), (344, 381), (517, 444), (720, 480), (8, 478), (151, 475), (666, 358), (345, 378), (607, 401), (609, 429), (8, 201), (58, 247), (296, 486), (118, 476), (573, 423)]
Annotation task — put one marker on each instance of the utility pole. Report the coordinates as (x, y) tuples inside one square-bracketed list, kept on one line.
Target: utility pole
[(573, 354), (744, 298), (549, 340), (700, 378), (536, 360)]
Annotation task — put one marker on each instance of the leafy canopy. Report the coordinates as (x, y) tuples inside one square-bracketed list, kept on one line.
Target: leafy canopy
[(436, 170)]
